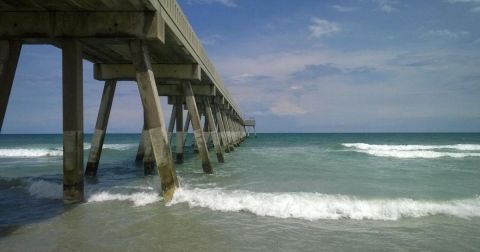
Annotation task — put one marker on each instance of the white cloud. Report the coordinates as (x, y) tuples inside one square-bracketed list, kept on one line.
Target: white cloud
[(464, 1), (446, 34), (228, 3), (323, 28), (211, 39), (341, 8), (287, 108), (475, 4), (386, 5)]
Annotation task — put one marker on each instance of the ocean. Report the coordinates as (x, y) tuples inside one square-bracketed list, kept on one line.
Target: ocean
[(276, 192)]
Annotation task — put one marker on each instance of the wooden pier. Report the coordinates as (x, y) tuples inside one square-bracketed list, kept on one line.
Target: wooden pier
[(147, 41)]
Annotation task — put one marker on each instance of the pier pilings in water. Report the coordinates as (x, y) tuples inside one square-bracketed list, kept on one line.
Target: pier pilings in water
[(150, 42), (72, 121), (100, 127)]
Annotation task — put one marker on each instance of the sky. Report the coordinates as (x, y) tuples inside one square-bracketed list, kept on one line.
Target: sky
[(302, 66)]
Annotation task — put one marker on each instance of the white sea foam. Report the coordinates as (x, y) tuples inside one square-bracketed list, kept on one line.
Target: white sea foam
[(29, 153), (416, 151), (53, 152), (120, 147), (315, 206), (45, 190), (138, 198), (411, 147), (48, 190)]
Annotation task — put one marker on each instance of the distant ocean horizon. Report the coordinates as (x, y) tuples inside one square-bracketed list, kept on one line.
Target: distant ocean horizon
[(276, 192)]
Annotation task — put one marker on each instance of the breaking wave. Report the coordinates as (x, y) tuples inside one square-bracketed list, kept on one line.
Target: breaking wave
[(137, 198), (315, 206), (30, 153), (53, 152), (45, 190), (300, 205), (416, 151)]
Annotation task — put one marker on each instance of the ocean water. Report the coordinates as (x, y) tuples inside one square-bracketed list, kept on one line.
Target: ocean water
[(277, 192)]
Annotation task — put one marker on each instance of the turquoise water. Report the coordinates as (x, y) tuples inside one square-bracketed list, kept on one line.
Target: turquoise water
[(277, 192)]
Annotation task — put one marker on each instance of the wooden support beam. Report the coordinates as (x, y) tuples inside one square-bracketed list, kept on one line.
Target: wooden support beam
[(197, 128), (100, 128), (161, 71), (223, 133), (213, 131), (180, 133), (73, 187), (9, 54), (32, 25), (154, 118)]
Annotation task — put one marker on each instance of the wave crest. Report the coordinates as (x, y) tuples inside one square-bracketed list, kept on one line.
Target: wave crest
[(26, 153), (138, 198), (315, 206), (416, 151)]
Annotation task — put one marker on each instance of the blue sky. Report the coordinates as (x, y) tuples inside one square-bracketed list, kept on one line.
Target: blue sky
[(303, 66)]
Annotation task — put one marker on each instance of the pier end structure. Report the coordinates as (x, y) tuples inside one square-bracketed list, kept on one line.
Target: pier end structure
[(250, 123), (147, 41)]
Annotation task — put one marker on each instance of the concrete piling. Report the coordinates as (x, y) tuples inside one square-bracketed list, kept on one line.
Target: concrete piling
[(72, 64), (213, 131), (228, 130), (171, 124), (197, 129), (185, 128), (180, 133), (154, 118), (119, 51), (100, 128), (9, 54), (223, 132)]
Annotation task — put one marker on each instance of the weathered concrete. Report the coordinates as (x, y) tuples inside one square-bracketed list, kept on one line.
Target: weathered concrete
[(197, 128), (171, 124), (223, 133), (180, 133), (145, 157), (228, 129), (154, 118), (185, 128), (100, 128), (9, 54), (81, 24), (206, 131), (141, 146), (73, 191), (160, 71), (213, 131)]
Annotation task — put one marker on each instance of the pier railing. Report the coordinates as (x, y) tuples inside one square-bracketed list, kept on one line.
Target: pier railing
[(178, 23)]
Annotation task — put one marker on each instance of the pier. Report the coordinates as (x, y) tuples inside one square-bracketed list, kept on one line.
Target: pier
[(147, 41)]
